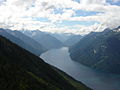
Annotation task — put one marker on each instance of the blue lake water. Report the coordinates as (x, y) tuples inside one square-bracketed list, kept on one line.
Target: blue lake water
[(94, 79)]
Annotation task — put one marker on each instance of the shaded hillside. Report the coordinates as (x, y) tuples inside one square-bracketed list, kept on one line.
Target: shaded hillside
[(19, 42), (100, 50), (28, 40), (61, 36), (73, 40), (44, 39), (21, 70)]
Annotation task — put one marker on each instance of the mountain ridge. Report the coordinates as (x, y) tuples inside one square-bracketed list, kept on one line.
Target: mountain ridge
[(28, 40), (99, 50), (45, 39), (19, 42), (21, 70)]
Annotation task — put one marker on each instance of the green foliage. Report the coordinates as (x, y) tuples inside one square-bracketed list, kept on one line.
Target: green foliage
[(21, 70), (75, 83)]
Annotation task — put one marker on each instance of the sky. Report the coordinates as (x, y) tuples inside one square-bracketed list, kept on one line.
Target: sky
[(60, 16)]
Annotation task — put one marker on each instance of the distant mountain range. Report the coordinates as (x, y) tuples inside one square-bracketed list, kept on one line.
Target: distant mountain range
[(28, 40), (23, 41), (99, 50), (46, 40), (21, 70), (61, 36), (74, 39)]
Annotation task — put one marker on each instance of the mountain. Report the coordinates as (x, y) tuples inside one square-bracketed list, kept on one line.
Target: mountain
[(28, 40), (61, 36), (21, 70), (72, 40), (46, 40), (20, 42), (99, 50)]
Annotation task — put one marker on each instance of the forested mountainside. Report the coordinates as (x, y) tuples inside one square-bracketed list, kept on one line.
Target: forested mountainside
[(99, 50), (21, 70)]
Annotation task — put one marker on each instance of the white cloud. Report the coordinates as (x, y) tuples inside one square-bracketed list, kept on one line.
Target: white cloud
[(87, 2), (16, 14)]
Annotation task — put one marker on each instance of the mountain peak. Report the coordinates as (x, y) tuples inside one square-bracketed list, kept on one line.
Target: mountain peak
[(117, 29)]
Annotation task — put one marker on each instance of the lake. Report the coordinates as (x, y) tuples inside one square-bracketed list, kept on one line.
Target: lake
[(96, 80)]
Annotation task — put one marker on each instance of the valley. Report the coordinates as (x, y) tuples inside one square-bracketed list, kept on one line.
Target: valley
[(59, 44)]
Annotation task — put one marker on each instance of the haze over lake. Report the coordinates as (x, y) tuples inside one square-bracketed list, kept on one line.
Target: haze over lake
[(94, 79)]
